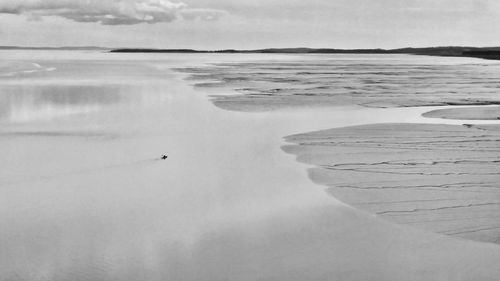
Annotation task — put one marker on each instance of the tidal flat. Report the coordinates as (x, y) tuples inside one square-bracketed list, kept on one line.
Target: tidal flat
[(86, 196), (443, 178), (440, 177), (466, 113), (379, 81)]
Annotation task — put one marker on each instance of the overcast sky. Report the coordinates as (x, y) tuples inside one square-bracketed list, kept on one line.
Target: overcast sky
[(246, 24)]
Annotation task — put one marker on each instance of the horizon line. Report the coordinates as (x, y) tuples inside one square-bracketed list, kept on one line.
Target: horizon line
[(237, 49)]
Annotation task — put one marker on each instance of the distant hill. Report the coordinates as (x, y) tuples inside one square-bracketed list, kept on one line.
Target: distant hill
[(455, 51), (257, 51), (447, 51), (486, 53)]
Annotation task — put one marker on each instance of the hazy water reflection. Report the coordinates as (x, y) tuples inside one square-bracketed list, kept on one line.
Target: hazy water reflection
[(27, 103)]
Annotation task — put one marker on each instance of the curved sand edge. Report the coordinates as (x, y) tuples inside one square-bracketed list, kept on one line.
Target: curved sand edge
[(443, 178), (467, 113)]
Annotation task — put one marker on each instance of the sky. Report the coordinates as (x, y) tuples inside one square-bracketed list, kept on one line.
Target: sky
[(248, 24)]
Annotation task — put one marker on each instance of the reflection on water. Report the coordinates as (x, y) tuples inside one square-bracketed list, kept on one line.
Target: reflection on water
[(31, 91), (28, 103)]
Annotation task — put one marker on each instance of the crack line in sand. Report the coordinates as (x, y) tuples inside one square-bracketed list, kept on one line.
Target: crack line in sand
[(453, 219), (469, 231), (407, 173), (417, 200), (450, 185), (439, 208)]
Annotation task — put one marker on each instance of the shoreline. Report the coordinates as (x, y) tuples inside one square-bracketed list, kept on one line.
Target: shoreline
[(244, 101), (489, 53), (396, 203)]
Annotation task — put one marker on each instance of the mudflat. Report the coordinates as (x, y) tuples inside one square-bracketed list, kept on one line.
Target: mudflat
[(468, 113), (381, 81), (443, 178)]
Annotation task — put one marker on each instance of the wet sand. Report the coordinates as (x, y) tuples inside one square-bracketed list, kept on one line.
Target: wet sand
[(468, 113), (435, 177), (378, 81), (427, 176), (443, 178)]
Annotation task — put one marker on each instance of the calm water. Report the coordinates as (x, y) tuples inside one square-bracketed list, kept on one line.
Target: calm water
[(85, 197)]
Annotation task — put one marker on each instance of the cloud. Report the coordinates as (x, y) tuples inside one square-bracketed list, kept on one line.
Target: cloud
[(109, 12)]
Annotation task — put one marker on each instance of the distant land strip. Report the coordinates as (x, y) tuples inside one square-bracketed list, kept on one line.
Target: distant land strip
[(477, 52), (492, 53)]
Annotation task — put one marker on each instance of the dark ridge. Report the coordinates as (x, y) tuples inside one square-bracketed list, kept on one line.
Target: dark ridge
[(260, 51), (176, 51), (486, 53), (492, 53), (157, 51)]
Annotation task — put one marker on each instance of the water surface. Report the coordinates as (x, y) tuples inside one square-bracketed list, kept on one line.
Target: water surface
[(84, 195)]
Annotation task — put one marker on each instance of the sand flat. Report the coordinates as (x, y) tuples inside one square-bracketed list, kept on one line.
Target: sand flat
[(466, 113), (443, 178), (380, 81)]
